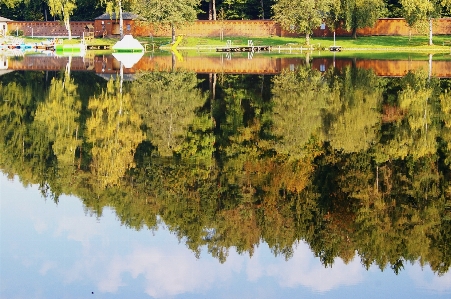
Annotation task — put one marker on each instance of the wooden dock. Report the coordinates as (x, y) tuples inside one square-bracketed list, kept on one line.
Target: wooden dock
[(335, 48), (98, 47), (244, 49)]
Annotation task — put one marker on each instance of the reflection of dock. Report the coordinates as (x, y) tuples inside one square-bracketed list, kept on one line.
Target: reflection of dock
[(107, 64), (244, 49)]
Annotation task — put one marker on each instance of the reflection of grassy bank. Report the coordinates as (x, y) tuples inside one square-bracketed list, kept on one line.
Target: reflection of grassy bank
[(379, 55), (367, 55)]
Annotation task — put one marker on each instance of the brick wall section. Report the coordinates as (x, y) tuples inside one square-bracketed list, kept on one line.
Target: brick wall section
[(49, 28), (256, 28), (229, 28), (262, 28)]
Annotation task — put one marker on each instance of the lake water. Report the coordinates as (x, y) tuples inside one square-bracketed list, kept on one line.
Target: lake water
[(224, 177)]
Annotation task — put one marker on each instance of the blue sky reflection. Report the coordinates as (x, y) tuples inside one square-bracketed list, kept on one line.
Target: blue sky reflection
[(63, 251)]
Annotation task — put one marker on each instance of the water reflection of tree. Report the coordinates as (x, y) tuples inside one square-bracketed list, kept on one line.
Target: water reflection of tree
[(114, 132), (23, 150), (168, 103), (236, 172), (58, 116)]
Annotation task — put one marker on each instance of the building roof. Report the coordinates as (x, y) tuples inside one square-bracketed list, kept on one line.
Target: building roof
[(2, 19), (125, 15)]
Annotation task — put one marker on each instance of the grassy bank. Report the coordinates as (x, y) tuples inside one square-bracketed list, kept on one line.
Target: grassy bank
[(367, 43), (374, 44)]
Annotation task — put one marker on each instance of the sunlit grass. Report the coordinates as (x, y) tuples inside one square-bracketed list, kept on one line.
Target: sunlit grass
[(379, 46), (361, 43)]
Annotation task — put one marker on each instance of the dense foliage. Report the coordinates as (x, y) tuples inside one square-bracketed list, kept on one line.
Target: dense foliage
[(86, 10), (355, 165), (301, 16)]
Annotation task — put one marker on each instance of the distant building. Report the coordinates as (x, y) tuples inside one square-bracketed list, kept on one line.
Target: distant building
[(106, 25), (4, 26)]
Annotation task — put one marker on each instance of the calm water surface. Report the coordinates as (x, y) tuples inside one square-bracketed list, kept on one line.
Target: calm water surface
[(303, 183)]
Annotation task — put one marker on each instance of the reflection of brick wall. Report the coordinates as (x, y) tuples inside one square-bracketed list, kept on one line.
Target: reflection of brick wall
[(46, 63), (238, 64)]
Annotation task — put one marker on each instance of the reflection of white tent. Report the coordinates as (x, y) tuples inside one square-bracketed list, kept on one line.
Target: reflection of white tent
[(3, 62), (128, 59), (128, 44)]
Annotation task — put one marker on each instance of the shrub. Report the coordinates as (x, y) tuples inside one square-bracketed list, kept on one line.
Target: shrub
[(15, 32)]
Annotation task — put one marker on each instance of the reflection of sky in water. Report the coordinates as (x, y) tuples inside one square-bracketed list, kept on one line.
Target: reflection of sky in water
[(60, 251)]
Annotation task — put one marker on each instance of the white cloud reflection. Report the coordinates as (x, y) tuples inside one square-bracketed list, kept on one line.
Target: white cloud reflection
[(167, 272), (107, 255), (305, 270), (177, 271), (424, 278)]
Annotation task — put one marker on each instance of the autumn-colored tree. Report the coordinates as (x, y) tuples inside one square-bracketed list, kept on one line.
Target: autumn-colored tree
[(114, 132), (167, 103), (301, 16)]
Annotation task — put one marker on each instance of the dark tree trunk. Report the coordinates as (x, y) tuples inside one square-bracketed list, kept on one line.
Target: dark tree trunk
[(354, 32), (210, 10)]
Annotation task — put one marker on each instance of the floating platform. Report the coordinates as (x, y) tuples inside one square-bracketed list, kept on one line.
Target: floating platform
[(335, 48), (98, 47), (244, 49)]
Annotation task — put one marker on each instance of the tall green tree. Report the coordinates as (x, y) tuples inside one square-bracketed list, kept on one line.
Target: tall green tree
[(301, 16), (420, 13), (25, 10), (11, 3), (63, 9), (172, 13), (357, 14)]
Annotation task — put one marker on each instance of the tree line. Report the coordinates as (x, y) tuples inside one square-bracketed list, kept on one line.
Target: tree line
[(301, 16), (355, 165)]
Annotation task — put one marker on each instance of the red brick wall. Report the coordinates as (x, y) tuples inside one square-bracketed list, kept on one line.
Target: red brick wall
[(48, 28), (229, 28), (260, 28)]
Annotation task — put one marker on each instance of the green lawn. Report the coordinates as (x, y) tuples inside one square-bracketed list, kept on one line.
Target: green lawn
[(370, 43), (378, 45)]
